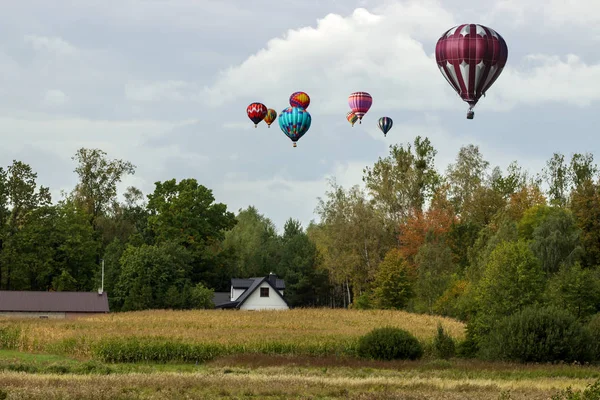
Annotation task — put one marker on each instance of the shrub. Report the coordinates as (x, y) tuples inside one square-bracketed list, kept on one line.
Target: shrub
[(443, 344), (389, 343), (362, 302), (591, 392), (537, 334)]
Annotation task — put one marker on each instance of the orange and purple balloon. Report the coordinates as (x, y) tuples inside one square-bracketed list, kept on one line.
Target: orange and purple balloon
[(299, 99)]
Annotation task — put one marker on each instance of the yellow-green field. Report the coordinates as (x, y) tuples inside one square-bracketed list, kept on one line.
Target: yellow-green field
[(301, 331), (265, 355)]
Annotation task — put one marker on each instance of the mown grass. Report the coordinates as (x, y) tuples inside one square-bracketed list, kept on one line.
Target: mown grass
[(40, 376), (198, 336), (43, 376)]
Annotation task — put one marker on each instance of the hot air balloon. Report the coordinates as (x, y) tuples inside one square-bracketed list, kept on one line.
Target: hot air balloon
[(256, 112), (294, 122), (385, 124), (360, 102), (471, 57), (299, 99), (270, 117), (351, 117)]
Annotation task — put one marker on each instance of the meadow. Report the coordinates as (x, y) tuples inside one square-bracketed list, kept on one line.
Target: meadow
[(303, 354)]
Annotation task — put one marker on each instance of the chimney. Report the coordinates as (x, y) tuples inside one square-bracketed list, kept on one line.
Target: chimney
[(273, 279)]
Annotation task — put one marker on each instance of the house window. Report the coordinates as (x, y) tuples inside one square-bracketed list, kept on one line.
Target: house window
[(264, 292)]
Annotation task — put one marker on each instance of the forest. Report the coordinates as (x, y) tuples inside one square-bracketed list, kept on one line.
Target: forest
[(473, 242)]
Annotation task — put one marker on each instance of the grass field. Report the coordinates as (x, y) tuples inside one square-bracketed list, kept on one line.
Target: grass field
[(298, 331), (55, 359)]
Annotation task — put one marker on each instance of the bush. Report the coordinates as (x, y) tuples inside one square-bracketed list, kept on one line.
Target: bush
[(443, 344), (591, 392), (389, 344), (538, 334), (362, 302)]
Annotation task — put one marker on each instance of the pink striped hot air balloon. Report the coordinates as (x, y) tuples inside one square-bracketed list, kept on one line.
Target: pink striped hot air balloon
[(360, 102), (471, 57)]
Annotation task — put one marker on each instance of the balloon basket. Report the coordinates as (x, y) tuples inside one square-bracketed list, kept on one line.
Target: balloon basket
[(294, 144), (470, 114)]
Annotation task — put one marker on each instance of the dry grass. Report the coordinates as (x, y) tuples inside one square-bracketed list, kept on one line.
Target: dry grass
[(300, 327), (270, 384)]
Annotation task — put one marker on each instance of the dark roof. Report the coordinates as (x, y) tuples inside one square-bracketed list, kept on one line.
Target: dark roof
[(80, 302), (221, 298), (246, 283), (256, 282)]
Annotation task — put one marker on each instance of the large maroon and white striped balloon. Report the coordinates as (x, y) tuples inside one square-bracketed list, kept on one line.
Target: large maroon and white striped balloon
[(471, 57)]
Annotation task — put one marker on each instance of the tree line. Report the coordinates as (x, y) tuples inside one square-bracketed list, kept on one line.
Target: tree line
[(471, 242)]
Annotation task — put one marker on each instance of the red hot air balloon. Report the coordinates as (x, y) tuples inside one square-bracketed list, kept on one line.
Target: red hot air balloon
[(299, 99), (256, 112), (360, 102), (471, 57)]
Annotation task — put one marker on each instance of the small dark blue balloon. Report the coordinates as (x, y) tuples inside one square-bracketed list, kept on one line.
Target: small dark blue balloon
[(385, 124)]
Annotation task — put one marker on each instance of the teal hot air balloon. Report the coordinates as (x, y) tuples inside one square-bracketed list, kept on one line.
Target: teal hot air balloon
[(294, 122), (385, 124)]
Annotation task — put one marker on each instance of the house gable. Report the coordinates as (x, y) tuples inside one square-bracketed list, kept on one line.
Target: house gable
[(256, 301), (239, 297)]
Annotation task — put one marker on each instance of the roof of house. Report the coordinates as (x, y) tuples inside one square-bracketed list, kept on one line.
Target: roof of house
[(246, 283), (29, 301), (221, 298), (256, 282)]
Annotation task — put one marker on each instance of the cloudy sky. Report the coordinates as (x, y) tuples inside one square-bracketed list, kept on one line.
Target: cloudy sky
[(165, 85)]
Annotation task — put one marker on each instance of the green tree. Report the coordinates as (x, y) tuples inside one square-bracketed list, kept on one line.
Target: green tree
[(466, 175), (512, 280), (253, 244), (186, 213), (149, 272), (575, 289), (23, 198), (403, 181), (558, 178), (556, 240), (305, 284), (394, 282), (96, 190), (435, 270)]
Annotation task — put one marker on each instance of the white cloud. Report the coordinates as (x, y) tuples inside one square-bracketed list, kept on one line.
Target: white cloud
[(543, 78), (362, 52)]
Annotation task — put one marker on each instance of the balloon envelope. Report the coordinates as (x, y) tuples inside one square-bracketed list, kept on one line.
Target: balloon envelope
[(385, 124), (360, 102), (270, 117), (294, 122), (256, 112), (471, 57), (351, 117), (299, 99)]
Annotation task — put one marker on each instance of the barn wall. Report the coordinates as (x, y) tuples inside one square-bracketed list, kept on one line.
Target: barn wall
[(53, 315)]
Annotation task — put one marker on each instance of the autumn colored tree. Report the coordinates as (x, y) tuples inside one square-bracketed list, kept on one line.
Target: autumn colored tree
[(436, 221)]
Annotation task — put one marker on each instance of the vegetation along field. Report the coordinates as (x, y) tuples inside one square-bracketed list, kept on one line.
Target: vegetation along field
[(299, 353)]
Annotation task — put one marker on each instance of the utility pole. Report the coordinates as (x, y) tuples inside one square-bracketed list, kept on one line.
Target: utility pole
[(102, 285)]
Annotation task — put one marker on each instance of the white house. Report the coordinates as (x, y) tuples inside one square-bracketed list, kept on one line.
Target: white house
[(264, 293)]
